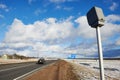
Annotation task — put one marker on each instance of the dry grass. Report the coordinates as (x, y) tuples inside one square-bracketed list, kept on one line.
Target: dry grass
[(8, 61)]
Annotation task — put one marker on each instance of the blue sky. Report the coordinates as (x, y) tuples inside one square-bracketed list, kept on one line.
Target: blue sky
[(56, 27)]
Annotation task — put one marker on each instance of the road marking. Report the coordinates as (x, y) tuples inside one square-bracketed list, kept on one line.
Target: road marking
[(35, 70), (15, 68)]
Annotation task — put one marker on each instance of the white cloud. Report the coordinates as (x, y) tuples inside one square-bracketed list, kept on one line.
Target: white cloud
[(113, 6), (51, 30), (4, 7), (82, 49), (110, 26), (51, 20), (112, 18), (112, 29), (51, 35), (16, 32), (84, 30), (87, 32)]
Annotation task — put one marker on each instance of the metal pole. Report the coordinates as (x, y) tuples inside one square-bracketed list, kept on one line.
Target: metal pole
[(100, 53)]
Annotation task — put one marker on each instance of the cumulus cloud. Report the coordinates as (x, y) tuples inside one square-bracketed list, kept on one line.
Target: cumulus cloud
[(113, 6), (57, 36), (111, 26), (84, 30), (21, 36), (112, 29), (112, 18), (51, 20), (16, 32)]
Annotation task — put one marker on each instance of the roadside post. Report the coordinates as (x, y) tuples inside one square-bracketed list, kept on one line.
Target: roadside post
[(96, 20)]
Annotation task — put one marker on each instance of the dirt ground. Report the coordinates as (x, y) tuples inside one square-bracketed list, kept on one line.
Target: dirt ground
[(61, 70)]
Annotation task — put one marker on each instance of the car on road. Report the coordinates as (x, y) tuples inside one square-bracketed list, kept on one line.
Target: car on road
[(41, 61)]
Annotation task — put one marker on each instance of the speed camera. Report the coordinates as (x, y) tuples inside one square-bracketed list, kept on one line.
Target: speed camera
[(95, 17)]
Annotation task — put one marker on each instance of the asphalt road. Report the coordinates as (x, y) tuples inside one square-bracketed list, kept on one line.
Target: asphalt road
[(12, 71)]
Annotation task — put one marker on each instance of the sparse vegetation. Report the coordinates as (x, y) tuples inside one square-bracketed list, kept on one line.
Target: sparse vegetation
[(14, 56)]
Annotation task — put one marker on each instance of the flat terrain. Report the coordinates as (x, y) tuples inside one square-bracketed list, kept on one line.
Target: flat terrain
[(9, 61), (74, 70), (12, 71), (61, 70), (89, 69)]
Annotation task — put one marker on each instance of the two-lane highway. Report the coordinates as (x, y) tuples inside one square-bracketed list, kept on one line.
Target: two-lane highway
[(12, 71)]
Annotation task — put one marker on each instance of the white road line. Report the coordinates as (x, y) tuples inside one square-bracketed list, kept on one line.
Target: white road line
[(15, 67), (35, 70)]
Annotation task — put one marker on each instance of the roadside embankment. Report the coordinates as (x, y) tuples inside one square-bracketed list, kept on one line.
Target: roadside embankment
[(61, 70)]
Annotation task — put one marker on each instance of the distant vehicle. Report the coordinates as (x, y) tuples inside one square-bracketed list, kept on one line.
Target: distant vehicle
[(41, 61)]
